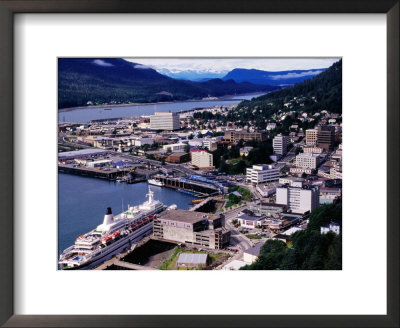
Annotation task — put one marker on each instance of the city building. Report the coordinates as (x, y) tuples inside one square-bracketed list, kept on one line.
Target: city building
[(235, 136), (250, 255), (312, 150), (322, 137), (310, 161), (326, 137), (190, 260), (175, 148), (333, 226), (262, 173), (210, 144), (178, 158), (311, 137), (268, 209), (201, 158), (300, 171), (280, 144), (250, 221), (192, 228), (164, 121), (298, 199)]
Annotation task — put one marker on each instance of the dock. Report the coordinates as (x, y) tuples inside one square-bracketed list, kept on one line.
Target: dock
[(112, 174)]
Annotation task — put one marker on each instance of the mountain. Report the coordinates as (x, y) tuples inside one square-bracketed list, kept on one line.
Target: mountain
[(192, 75), (84, 81), (323, 91), (282, 78)]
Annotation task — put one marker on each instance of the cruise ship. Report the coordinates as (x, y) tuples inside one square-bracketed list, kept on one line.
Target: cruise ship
[(114, 235)]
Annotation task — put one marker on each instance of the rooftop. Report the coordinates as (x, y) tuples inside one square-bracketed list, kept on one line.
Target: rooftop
[(187, 216), (192, 258), (255, 250)]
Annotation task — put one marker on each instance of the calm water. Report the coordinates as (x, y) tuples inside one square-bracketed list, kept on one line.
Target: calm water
[(82, 203), (84, 115)]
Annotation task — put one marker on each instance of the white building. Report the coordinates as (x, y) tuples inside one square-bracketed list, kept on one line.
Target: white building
[(210, 144), (250, 255), (164, 121), (271, 126), (307, 161), (298, 199), (280, 144), (249, 221), (334, 227), (202, 159), (262, 173), (175, 148)]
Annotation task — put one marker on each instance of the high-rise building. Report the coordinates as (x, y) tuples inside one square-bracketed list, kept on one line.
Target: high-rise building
[(307, 160), (280, 144), (326, 137), (164, 121), (321, 136), (298, 199), (201, 158), (311, 137), (262, 173)]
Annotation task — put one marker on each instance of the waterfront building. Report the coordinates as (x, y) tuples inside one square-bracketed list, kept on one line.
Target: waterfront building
[(262, 173), (298, 199), (192, 228), (201, 158), (305, 161), (280, 144), (164, 121)]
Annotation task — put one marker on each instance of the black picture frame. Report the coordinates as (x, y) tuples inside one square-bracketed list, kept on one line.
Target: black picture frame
[(10, 7)]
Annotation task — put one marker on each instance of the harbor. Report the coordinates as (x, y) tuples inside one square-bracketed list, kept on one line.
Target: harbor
[(83, 200)]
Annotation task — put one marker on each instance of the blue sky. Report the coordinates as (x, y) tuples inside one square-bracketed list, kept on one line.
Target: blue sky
[(218, 65)]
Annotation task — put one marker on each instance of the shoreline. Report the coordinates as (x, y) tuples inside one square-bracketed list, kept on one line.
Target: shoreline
[(61, 110)]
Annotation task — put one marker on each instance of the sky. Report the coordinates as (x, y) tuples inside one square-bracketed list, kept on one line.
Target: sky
[(218, 65)]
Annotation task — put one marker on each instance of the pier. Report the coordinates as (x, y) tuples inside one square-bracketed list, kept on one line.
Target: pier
[(189, 185), (112, 174)]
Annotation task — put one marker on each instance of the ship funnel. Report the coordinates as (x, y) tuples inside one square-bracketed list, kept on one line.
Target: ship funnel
[(108, 218)]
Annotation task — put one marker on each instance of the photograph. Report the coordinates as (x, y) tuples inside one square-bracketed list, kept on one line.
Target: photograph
[(200, 163)]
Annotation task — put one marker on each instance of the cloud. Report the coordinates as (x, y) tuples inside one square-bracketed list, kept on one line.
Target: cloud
[(294, 75), (101, 62), (139, 66), (218, 65)]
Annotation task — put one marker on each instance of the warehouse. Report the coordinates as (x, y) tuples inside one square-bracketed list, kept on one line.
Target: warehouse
[(189, 260)]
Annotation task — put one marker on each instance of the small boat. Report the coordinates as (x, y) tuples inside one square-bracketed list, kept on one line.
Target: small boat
[(155, 182), (107, 108)]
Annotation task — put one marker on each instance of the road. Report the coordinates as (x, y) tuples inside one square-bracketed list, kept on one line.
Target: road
[(237, 239)]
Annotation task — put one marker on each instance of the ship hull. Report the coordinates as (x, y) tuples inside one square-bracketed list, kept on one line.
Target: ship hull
[(114, 249)]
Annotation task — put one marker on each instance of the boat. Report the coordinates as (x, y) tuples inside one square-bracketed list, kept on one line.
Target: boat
[(155, 182), (107, 108), (116, 234)]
